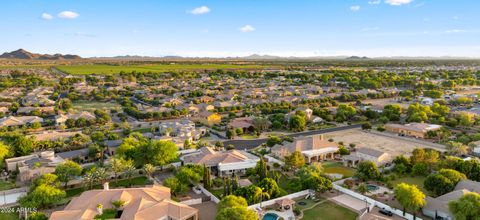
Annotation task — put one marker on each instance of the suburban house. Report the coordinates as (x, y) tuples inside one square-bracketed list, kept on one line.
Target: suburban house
[(244, 123), (61, 119), (19, 121), (29, 110), (418, 130), (147, 203), (183, 129), (366, 154), (209, 118), (32, 166), (222, 162), (313, 148), (437, 208)]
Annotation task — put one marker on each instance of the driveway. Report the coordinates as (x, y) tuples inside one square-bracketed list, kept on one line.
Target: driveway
[(350, 201)]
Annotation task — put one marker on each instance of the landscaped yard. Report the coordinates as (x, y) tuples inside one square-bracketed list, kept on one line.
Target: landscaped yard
[(337, 167), (417, 180), (4, 185), (9, 216), (93, 105), (328, 210)]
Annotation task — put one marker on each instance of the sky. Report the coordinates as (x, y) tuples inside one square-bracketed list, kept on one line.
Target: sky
[(220, 28)]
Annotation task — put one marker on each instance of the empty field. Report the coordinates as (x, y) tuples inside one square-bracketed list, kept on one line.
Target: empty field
[(93, 105), (154, 68)]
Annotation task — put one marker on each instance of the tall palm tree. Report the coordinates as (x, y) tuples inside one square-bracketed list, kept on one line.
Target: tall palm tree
[(149, 170)]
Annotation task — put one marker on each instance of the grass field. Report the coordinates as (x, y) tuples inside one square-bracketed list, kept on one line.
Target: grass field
[(156, 68), (336, 167), (9, 216), (418, 180), (93, 105), (327, 211)]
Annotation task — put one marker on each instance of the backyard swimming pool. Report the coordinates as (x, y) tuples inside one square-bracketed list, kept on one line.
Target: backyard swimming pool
[(372, 187), (270, 216)]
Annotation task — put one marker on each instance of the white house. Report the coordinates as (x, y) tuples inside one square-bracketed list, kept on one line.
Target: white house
[(222, 162)]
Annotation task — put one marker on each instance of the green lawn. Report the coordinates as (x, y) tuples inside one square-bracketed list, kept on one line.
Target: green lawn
[(94, 105), (154, 68), (4, 185), (329, 210), (107, 214), (309, 203), (137, 181), (248, 136), (9, 216), (337, 167), (417, 180)]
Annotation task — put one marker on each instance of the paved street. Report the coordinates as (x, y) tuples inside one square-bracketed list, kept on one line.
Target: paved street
[(249, 144)]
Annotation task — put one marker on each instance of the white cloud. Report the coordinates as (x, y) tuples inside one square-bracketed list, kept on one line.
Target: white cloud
[(355, 7), (247, 28), (374, 2), (200, 10), (454, 31), (68, 15), (46, 16), (398, 2)]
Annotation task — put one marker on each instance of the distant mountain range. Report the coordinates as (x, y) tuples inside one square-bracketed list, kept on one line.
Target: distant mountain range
[(26, 55)]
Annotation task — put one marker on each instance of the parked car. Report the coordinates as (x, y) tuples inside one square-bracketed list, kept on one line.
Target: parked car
[(385, 212)]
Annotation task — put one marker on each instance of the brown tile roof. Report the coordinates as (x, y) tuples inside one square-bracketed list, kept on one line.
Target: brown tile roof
[(146, 203)]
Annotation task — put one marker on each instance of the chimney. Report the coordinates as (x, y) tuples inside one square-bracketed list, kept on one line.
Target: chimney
[(321, 137), (105, 186)]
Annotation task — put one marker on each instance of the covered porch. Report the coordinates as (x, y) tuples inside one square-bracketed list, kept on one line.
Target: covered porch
[(320, 154)]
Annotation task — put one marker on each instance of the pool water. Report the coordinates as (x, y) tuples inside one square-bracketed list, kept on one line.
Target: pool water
[(372, 187), (270, 216)]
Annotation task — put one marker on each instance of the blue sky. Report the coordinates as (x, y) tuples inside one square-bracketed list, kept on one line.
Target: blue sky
[(237, 28)]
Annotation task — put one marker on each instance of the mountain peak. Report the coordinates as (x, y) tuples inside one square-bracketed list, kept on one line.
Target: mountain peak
[(24, 54)]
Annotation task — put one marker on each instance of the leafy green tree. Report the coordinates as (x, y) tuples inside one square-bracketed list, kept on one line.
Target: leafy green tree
[(37, 216), (175, 185), (367, 170), (311, 177), (270, 186), (297, 123), (466, 208), (23, 146), (295, 160), (5, 152), (443, 182), (273, 140), (345, 112), (235, 208), (68, 170), (261, 169), (410, 197), (392, 112)]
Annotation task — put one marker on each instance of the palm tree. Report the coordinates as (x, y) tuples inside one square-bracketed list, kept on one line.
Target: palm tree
[(129, 171), (149, 169), (101, 175), (117, 165)]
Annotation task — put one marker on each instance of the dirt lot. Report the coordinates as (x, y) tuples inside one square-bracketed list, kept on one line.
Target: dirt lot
[(380, 103), (392, 146)]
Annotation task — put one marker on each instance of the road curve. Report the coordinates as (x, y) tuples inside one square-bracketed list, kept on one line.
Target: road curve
[(249, 144)]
